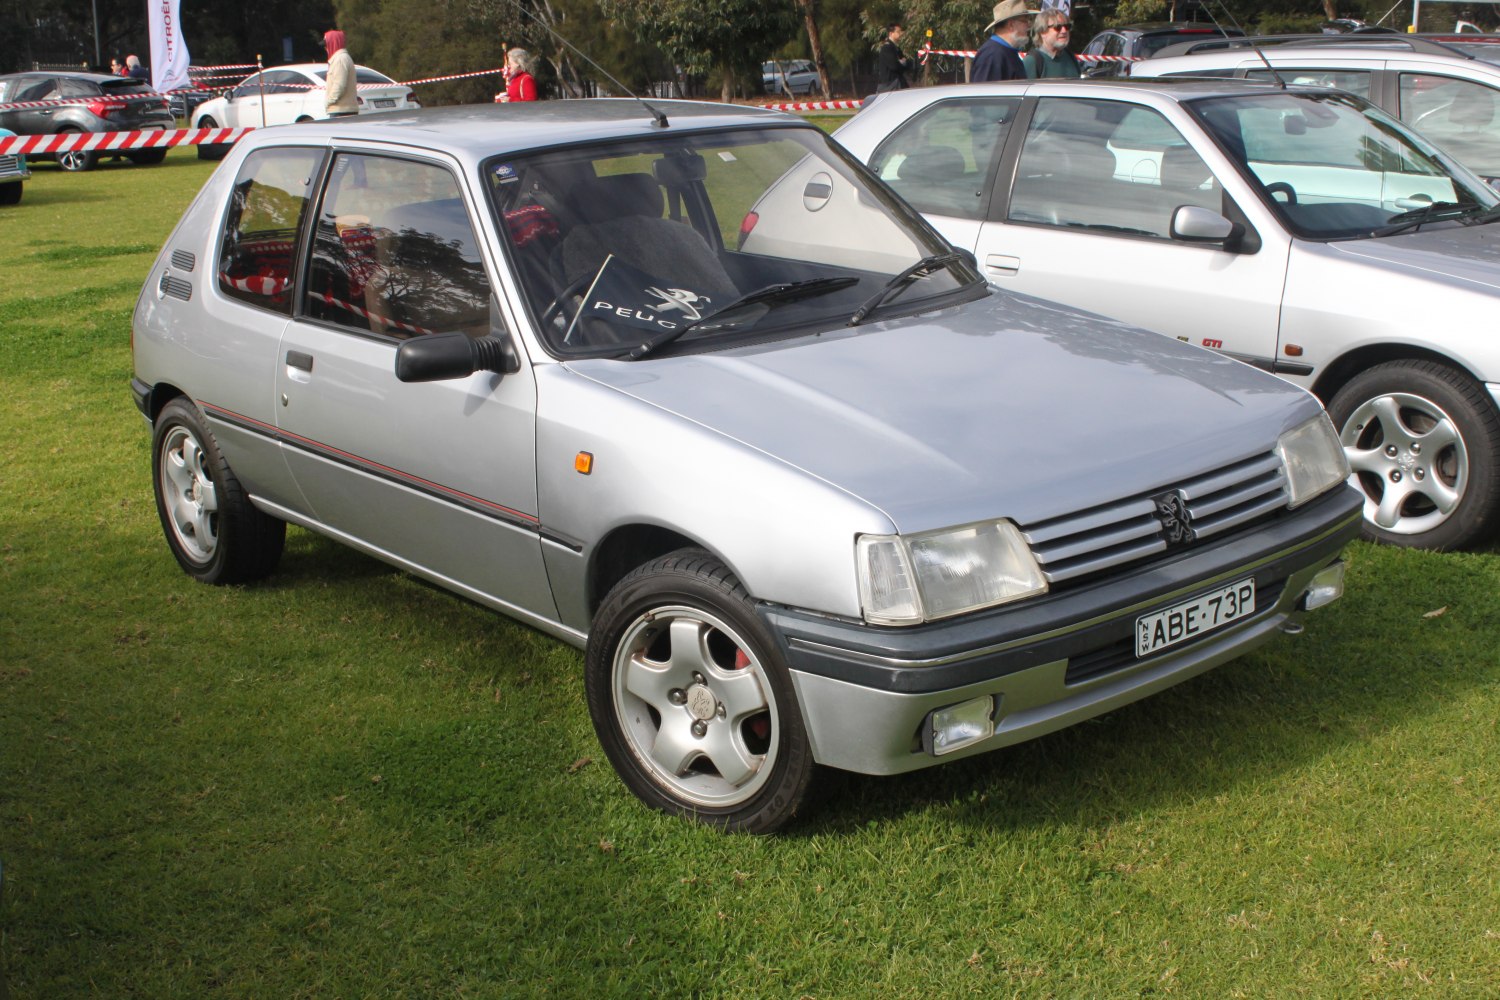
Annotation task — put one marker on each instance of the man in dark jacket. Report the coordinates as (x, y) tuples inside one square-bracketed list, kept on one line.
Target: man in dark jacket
[(891, 66), (999, 58)]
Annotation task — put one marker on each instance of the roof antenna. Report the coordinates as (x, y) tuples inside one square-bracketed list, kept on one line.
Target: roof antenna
[(661, 119), (1253, 43)]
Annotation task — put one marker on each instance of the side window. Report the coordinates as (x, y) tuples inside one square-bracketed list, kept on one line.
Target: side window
[(1353, 81), (1107, 166), (395, 253), (249, 88), (260, 231), (77, 88), (38, 90), (1458, 115), (940, 159), (1114, 45)]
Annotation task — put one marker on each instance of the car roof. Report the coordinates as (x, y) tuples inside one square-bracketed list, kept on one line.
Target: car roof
[(478, 131), (65, 74), (1173, 27)]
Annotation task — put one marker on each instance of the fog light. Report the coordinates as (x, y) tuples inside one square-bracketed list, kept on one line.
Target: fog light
[(955, 727), (1326, 587)]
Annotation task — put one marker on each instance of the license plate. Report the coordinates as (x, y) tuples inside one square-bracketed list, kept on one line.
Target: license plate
[(385, 102), (1190, 619)]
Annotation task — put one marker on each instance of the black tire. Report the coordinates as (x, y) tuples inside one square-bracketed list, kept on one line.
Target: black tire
[(147, 157), (1424, 441), (714, 734), (10, 194), (217, 535), (76, 161), (207, 150)]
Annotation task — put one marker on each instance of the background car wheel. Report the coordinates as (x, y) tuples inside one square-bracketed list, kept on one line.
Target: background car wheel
[(690, 699), (10, 194), (1424, 443), (212, 528), (75, 161), (147, 157), (210, 151)]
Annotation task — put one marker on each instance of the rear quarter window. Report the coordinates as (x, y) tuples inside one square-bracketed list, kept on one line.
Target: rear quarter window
[(265, 215)]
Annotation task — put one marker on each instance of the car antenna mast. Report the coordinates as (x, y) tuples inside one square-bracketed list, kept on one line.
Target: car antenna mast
[(1253, 43), (660, 119)]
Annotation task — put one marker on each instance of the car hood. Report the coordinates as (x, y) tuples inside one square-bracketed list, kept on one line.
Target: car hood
[(1010, 406), (1455, 254)]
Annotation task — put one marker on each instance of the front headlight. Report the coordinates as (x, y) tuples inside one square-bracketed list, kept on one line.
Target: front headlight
[(904, 580), (1313, 458)]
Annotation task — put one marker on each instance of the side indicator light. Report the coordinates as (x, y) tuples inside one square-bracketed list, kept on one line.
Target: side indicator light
[(1293, 351), (583, 463)]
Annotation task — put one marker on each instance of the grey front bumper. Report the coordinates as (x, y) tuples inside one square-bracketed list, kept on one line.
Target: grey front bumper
[(865, 692)]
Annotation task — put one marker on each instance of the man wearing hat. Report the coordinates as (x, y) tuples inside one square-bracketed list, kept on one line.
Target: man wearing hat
[(999, 58)]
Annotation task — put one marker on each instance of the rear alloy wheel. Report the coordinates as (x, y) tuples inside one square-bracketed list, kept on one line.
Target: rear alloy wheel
[(1423, 441), (690, 699), (217, 535), (76, 161)]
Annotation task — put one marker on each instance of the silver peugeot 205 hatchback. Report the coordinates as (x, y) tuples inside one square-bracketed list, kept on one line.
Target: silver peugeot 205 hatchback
[(695, 392)]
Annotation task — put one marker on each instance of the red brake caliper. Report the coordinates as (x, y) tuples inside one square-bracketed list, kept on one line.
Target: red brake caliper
[(761, 724)]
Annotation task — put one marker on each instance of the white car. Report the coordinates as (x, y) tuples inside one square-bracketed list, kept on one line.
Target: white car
[(798, 76), (1300, 230), (1449, 91), (297, 93)]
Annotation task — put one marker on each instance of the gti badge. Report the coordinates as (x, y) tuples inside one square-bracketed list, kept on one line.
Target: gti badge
[(1172, 512)]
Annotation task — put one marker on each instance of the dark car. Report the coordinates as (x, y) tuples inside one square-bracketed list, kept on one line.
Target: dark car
[(101, 103), (1142, 41)]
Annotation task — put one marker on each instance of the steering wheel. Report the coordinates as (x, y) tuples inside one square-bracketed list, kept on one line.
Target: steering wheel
[(556, 305), (1282, 187)]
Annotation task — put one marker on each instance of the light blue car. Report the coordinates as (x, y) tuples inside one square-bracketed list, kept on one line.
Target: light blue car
[(13, 173)]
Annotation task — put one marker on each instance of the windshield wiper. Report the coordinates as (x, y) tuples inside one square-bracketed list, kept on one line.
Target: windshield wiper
[(921, 269), (1438, 211), (785, 291)]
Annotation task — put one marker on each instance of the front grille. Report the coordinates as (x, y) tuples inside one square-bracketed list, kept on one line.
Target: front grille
[(1102, 538), (10, 163)]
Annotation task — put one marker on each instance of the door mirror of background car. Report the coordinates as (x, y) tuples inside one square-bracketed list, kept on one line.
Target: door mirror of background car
[(1193, 224), (440, 356)]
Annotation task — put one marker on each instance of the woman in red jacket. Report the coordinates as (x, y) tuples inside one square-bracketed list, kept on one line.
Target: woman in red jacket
[(520, 84)]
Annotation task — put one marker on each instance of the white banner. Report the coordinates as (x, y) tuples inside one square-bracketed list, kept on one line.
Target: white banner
[(169, 54)]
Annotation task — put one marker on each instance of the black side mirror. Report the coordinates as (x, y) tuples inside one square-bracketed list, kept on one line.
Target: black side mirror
[(441, 356)]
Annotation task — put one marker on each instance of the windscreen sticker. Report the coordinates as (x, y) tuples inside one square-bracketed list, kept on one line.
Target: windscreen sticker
[(505, 173)]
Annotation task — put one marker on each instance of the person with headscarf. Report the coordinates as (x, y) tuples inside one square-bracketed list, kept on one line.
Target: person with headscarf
[(341, 94), (520, 85)]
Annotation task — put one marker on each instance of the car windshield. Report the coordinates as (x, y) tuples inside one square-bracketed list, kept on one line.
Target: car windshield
[(1334, 167), (713, 236)]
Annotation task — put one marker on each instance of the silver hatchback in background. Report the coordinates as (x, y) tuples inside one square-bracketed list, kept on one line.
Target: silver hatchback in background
[(1297, 229), (701, 397)]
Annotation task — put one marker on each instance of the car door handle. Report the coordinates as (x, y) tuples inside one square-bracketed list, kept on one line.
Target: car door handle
[(1003, 263), (299, 360)]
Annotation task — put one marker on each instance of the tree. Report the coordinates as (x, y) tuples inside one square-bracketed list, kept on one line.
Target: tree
[(727, 38)]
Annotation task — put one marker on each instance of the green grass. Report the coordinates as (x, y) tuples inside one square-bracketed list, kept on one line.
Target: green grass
[(346, 783)]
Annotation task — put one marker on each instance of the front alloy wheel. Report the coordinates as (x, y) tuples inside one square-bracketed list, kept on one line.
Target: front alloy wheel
[(1423, 442), (690, 701)]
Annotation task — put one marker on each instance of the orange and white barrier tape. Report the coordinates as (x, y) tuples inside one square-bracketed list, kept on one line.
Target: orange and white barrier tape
[(107, 141), (214, 69), (815, 106)]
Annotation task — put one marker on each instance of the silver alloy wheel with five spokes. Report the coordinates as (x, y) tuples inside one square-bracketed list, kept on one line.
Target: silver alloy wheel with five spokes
[(691, 699), (190, 497), (1409, 459)]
